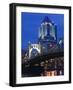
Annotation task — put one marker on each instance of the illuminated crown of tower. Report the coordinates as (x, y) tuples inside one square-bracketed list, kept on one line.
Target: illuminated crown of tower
[(47, 29)]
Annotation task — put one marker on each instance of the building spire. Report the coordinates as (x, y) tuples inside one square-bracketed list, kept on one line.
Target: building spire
[(46, 19)]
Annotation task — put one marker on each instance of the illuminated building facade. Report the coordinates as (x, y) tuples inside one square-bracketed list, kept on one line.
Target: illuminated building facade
[(47, 39), (47, 35)]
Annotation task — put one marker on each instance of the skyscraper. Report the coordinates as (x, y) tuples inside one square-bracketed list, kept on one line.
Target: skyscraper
[(47, 35), (47, 39)]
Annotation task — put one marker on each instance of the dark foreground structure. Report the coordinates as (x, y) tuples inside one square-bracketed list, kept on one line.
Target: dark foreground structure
[(46, 65)]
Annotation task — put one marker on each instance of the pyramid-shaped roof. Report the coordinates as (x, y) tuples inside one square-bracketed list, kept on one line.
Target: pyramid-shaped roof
[(46, 19)]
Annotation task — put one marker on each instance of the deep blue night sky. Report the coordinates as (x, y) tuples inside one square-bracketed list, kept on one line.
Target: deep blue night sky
[(31, 22)]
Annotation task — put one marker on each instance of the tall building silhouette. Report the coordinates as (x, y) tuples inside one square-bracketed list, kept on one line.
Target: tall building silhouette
[(47, 35), (47, 39)]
